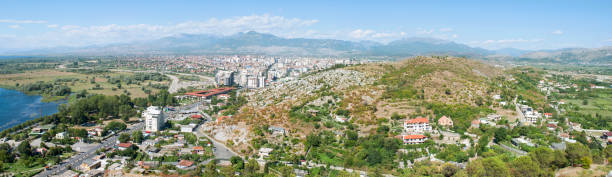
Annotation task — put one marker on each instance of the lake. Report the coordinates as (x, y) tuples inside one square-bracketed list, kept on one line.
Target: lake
[(16, 107)]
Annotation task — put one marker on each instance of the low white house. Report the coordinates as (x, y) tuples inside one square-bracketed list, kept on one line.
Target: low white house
[(61, 135), (188, 128), (265, 152), (341, 119)]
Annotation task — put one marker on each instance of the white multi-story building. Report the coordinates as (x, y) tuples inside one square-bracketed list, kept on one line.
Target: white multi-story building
[(418, 125), (154, 119), (225, 78)]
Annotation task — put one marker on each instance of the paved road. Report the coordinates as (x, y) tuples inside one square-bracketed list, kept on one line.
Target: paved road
[(76, 160), (174, 86), (221, 151)]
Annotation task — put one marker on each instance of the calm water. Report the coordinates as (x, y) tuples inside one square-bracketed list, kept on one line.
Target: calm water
[(17, 107)]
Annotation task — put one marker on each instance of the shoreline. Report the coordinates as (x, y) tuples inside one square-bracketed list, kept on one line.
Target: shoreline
[(45, 98), (50, 107)]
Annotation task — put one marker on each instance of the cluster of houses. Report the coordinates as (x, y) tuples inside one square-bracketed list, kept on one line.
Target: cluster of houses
[(415, 129)]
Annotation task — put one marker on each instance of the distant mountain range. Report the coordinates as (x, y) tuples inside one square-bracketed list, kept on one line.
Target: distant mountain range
[(601, 55), (267, 44)]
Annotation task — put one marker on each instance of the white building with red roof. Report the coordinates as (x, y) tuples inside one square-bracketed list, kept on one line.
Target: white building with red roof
[(413, 139), (418, 125)]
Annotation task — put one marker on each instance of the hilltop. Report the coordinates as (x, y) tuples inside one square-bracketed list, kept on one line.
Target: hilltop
[(373, 93)]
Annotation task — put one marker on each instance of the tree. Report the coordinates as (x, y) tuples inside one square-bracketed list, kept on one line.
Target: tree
[(576, 152), (24, 148), (237, 163), (137, 137), (449, 170), (115, 126), (227, 171), (490, 166), (124, 137), (251, 167), (586, 162), (211, 169), (286, 171), (501, 134), (524, 166), (382, 129), (312, 140), (544, 156)]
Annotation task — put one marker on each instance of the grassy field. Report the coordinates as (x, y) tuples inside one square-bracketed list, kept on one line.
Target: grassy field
[(602, 104), (83, 83)]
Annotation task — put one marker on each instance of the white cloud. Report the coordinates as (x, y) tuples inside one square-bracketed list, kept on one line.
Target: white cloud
[(445, 29), (425, 31), (72, 35), (508, 41), (367, 34), (14, 26), (558, 32), (359, 33), (21, 21)]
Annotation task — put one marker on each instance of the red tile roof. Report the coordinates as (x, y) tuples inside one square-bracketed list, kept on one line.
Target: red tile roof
[(406, 137), (222, 118), (417, 120), (548, 114), (476, 121), (185, 163), (211, 92), (125, 145), (196, 116), (198, 148)]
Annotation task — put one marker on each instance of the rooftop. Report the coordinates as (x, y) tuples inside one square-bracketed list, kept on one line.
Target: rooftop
[(211, 92), (417, 120)]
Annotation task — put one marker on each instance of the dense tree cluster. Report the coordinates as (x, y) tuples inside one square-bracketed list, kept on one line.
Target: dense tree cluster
[(45, 88)]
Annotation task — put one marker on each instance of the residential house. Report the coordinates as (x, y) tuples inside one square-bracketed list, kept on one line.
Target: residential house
[(494, 117), (265, 152), (184, 164), (198, 150), (548, 115), (39, 130), (475, 123), (341, 119), (124, 146), (61, 135), (90, 164), (521, 140), (576, 126), (277, 130), (551, 127), (445, 121), (418, 125), (188, 128), (413, 139)]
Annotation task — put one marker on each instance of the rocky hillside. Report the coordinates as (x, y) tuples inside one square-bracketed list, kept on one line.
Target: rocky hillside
[(370, 94)]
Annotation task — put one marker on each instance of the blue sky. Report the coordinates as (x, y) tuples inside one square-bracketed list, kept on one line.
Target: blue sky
[(492, 25)]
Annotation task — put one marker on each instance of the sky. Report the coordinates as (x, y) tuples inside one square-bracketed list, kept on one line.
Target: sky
[(531, 25)]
